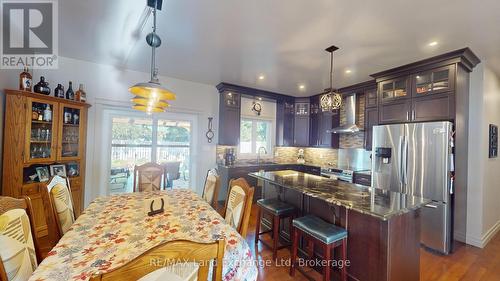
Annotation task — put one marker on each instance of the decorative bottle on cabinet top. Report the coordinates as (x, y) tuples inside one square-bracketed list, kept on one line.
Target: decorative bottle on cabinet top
[(70, 95), (42, 87), (59, 91), (25, 80), (80, 95)]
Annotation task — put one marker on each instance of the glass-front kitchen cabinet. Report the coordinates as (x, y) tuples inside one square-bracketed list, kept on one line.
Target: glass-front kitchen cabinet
[(394, 89), (434, 81)]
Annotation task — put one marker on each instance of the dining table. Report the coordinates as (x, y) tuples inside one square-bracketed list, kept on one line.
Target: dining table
[(113, 230)]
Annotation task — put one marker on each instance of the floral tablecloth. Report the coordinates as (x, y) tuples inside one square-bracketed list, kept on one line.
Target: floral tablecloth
[(114, 230)]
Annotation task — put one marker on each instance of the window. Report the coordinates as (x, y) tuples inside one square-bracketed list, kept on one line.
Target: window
[(255, 133), (135, 141)]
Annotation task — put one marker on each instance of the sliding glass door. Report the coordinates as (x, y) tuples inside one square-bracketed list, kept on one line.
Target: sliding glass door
[(138, 140)]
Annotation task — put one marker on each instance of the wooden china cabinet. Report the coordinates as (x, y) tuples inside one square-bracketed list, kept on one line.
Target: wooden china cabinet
[(41, 131)]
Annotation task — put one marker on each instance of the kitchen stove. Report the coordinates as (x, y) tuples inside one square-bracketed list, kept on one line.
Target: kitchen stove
[(342, 173)]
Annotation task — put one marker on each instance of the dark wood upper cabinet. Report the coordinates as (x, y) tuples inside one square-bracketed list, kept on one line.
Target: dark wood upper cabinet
[(431, 94), (427, 90), (314, 130), (434, 107), (371, 119), (301, 126), (434, 81), (329, 120), (229, 118), (394, 90), (430, 98), (398, 111), (371, 98), (320, 123), (285, 118)]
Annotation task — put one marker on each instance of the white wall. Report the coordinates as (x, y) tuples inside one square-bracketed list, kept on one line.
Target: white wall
[(106, 88), (483, 196), (491, 199), (268, 109)]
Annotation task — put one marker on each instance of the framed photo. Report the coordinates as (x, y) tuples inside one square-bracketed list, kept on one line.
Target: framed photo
[(73, 169), (58, 170), (43, 174)]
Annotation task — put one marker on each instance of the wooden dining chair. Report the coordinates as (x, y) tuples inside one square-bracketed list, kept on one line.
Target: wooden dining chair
[(166, 255), (148, 177), (211, 188), (19, 250), (59, 207), (239, 205), (172, 172)]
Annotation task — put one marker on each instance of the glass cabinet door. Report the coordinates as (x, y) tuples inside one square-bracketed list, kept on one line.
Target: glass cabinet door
[(40, 130), (394, 89), (434, 81), (71, 132)]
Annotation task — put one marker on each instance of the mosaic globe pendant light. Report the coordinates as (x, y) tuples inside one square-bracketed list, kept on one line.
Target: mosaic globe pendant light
[(332, 100)]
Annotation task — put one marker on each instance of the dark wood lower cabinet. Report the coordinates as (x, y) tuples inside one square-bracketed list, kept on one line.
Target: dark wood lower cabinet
[(433, 107), (395, 112), (377, 250)]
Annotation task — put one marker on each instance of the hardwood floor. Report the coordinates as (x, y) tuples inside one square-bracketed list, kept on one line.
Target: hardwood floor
[(467, 263)]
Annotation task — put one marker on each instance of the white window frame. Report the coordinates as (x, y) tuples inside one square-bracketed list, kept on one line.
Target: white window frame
[(271, 133), (162, 116)]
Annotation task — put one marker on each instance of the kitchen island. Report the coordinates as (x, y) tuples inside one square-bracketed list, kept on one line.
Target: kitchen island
[(383, 226)]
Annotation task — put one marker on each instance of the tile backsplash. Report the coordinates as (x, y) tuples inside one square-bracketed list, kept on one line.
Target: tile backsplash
[(315, 156)]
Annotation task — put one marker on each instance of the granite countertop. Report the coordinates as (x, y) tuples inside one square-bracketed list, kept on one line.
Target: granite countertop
[(264, 164), (379, 203)]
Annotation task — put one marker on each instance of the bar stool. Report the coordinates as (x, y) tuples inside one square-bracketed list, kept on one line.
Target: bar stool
[(278, 210), (317, 231)]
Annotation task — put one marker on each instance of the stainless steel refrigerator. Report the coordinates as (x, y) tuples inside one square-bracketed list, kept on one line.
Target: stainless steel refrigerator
[(417, 159)]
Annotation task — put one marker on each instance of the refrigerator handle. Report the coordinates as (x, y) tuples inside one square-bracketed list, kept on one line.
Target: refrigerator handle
[(400, 160), (404, 163)]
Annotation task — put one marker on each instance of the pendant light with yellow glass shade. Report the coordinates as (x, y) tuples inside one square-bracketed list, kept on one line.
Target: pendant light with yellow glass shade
[(152, 97)]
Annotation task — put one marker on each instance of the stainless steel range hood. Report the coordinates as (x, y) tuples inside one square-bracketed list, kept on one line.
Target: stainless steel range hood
[(350, 110)]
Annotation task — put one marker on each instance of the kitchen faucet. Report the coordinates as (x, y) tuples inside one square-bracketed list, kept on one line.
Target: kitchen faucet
[(258, 153)]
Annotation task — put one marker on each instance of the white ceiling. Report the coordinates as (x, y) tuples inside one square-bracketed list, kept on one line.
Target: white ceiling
[(235, 41)]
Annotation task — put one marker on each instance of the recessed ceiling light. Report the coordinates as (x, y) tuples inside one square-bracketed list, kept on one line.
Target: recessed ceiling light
[(347, 71), (302, 86), (433, 43), (262, 77)]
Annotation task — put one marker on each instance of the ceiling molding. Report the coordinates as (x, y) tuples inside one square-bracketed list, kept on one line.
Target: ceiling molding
[(464, 57)]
